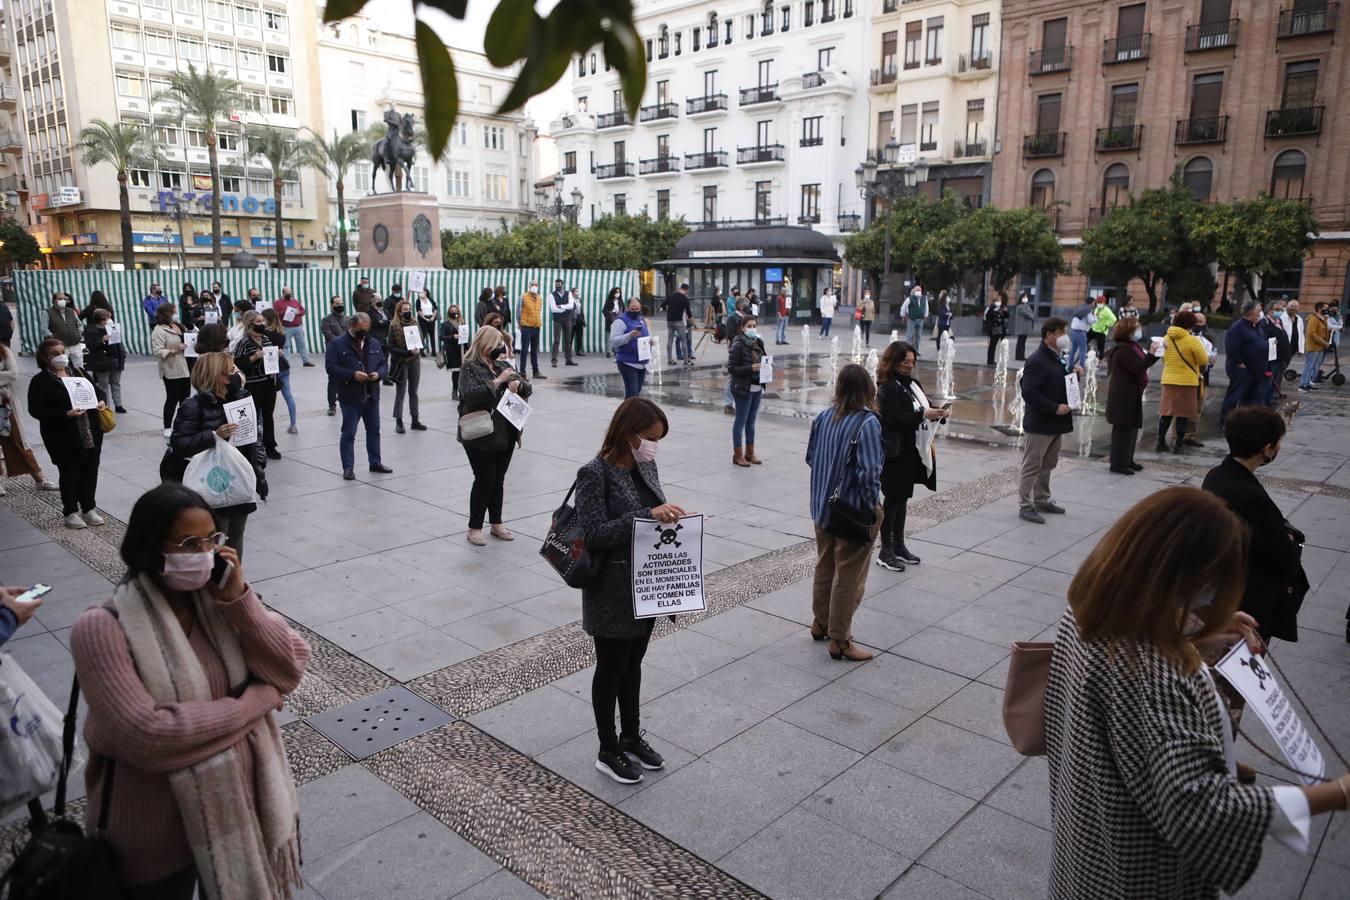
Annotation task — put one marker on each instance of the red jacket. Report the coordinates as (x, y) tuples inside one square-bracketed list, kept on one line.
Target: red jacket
[(782, 305), (281, 305)]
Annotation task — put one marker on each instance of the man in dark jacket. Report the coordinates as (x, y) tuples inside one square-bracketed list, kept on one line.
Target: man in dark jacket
[(676, 306), (333, 326), (356, 362), (1276, 582), (1272, 326), (1048, 418), (1247, 360)]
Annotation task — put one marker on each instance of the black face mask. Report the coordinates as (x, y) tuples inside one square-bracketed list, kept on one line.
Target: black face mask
[(496, 353), (337, 310), (360, 334), (407, 314), (259, 326), (236, 381)]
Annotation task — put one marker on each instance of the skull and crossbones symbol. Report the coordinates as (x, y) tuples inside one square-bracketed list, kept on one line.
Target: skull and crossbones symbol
[(1257, 669), (668, 536)]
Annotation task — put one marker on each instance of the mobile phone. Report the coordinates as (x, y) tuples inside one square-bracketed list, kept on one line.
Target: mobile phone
[(33, 594), (221, 571)]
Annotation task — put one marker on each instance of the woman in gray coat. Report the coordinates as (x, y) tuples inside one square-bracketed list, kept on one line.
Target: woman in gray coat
[(618, 486), (1024, 323)]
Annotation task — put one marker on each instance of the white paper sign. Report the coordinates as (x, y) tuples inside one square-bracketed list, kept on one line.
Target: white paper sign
[(82, 393), (271, 360), (417, 280), (1157, 348), (211, 316), (1256, 683), (754, 310), (114, 332), (190, 344), (766, 370), (412, 336), (667, 568), (644, 349), (243, 414), (1272, 349), (259, 306), (514, 409), (1075, 400), (464, 333), (291, 313)]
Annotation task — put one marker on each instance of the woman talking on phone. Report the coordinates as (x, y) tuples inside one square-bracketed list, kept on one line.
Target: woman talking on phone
[(486, 377), (904, 409), (183, 670), (619, 485)]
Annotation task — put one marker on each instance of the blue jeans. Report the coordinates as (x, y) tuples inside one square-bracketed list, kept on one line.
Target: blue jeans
[(367, 412), (633, 379), (295, 336), (285, 378), (747, 410), (1312, 364), (728, 399), (825, 324), (1077, 348), (677, 337), (781, 334), (529, 348), (914, 333)]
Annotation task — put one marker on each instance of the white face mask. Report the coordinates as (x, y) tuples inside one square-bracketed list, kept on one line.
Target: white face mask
[(60, 361), (60, 304), (1138, 334), (1063, 343)]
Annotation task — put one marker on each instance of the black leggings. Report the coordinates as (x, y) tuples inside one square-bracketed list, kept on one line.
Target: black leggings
[(175, 392), (866, 330), (489, 480), (265, 399), (618, 677), (893, 521), (1165, 422), (77, 474)]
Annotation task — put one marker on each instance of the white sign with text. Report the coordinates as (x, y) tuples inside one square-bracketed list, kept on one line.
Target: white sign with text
[(82, 393), (514, 409), (667, 560), (1248, 674), (243, 414), (271, 360)]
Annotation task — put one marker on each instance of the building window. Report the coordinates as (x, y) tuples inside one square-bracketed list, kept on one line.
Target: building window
[(171, 181), (696, 35), (221, 54), (227, 141), (825, 58), (459, 134), (617, 101), (290, 190), (191, 50), (494, 137), (281, 106), (1198, 176), (275, 21), (255, 101), (1116, 186), (809, 13), (933, 50), (592, 63), (763, 200), (974, 120), (909, 126), (811, 131), (662, 93), (913, 44), (358, 120), (928, 126), (1206, 95), (710, 140), (216, 9), (581, 66), (729, 27), (138, 178), (766, 20), (457, 183), (678, 35), (762, 137), (187, 7), (126, 39), (811, 202), (620, 152), (787, 18), (243, 15), (710, 203), (1300, 85), (230, 184), (1287, 175), (278, 63), (159, 42), (570, 162), (130, 85), (663, 146), (710, 82), (979, 37), (621, 203), (250, 59), (167, 135), (495, 186), (663, 43), (1042, 189), (662, 205), (361, 172)]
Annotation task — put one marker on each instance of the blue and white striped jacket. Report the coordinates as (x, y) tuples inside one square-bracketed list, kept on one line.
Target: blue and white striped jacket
[(825, 453)]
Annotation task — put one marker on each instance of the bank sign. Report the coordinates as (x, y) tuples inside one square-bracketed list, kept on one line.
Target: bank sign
[(170, 200)]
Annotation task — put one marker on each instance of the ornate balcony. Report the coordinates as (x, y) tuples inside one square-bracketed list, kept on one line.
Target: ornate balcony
[(658, 111), (1205, 130), (813, 80), (763, 153), (1297, 122), (966, 149), (884, 75), (1043, 144), (661, 165), (1128, 48), (764, 93), (1295, 23), (713, 159), (809, 220), (700, 106), (712, 225), (568, 170), (617, 119), (850, 222), (606, 171), (975, 65), (1119, 137), (1050, 60), (1212, 35)]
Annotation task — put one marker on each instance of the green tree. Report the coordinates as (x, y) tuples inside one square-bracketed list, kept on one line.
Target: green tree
[(335, 159), (209, 99), (599, 249), (544, 45), (469, 250), (18, 248), (125, 146), (1007, 242), (915, 219), (865, 250), (284, 155), (655, 238), (1254, 238)]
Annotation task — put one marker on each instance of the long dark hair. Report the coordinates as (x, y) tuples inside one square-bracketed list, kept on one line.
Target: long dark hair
[(891, 358), (485, 294), (634, 416), (151, 519), (853, 391)]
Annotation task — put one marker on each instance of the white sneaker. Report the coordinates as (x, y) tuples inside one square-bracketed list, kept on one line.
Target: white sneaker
[(2, 490), (44, 484), (74, 521), (292, 430), (93, 518)]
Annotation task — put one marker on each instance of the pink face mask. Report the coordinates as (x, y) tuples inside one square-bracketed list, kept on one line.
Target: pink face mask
[(188, 571), (645, 452)]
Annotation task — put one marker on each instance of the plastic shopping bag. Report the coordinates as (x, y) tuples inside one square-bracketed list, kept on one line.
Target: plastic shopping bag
[(30, 746), (222, 476)]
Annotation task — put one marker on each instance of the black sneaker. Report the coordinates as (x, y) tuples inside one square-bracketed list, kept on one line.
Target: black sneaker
[(273, 453), (887, 560), (646, 756), (418, 426), (617, 766), (903, 554)]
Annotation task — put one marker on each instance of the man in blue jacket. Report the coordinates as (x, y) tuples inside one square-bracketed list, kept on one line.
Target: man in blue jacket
[(152, 302), (356, 363), (1247, 361), (1047, 419)]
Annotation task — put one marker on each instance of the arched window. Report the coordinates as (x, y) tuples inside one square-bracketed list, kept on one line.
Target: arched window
[(1198, 176), (712, 30), (1042, 189), (1286, 176), (663, 43), (1116, 186)]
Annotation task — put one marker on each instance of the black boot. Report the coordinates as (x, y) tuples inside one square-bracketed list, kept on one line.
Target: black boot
[(904, 554), (398, 427), (418, 426)]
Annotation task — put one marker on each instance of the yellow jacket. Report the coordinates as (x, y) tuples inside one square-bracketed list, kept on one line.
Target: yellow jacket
[(531, 311), (1175, 364), (1316, 334)]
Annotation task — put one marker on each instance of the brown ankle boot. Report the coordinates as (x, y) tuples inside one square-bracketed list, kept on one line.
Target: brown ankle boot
[(750, 456), (738, 458), (818, 631), (848, 650)]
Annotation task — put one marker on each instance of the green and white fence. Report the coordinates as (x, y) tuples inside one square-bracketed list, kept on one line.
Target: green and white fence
[(312, 287)]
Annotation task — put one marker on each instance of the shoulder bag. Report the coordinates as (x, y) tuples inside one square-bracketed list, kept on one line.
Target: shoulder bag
[(844, 520), (565, 546), (1024, 696), (1199, 388), (475, 425)]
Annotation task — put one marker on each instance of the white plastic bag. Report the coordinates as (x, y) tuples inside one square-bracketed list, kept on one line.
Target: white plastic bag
[(222, 476), (30, 745)]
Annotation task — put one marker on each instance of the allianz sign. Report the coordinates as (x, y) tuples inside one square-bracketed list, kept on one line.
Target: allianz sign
[(169, 200)]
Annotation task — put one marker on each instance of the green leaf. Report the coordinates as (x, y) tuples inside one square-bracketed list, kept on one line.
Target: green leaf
[(625, 51), (509, 31), (341, 9), (454, 8), (439, 87)]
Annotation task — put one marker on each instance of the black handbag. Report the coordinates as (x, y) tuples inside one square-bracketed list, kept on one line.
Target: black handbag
[(844, 520), (565, 547), (59, 861)]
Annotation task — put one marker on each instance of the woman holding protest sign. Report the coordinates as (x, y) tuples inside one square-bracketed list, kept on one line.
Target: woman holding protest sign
[(105, 357), (73, 437), (621, 484), (406, 366), (250, 356), (486, 377), (166, 343)]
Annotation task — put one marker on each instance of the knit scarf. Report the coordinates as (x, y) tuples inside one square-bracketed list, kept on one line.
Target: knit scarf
[(240, 851)]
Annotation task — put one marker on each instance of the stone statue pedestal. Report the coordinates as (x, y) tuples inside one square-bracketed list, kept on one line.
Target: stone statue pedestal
[(400, 231)]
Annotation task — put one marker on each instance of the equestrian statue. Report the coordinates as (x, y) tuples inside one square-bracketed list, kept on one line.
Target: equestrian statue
[(394, 152)]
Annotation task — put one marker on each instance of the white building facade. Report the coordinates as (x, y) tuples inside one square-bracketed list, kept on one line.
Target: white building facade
[(754, 113), (486, 178)]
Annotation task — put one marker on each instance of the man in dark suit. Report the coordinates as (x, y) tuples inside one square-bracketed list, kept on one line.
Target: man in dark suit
[(1273, 326), (1048, 418), (1246, 353), (356, 364), (1276, 583)]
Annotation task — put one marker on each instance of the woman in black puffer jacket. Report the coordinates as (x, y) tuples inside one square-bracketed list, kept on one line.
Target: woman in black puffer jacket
[(743, 364), (200, 418)]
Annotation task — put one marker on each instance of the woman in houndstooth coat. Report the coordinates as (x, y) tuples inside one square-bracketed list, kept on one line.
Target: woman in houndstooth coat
[(1143, 790)]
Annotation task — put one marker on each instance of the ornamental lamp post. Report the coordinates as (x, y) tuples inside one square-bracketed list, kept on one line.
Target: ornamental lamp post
[(872, 187)]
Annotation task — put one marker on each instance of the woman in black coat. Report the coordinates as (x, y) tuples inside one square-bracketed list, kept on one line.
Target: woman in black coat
[(621, 484), (452, 351), (1129, 364), (200, 418), (104, 359), (72, 437), (903, 410), (1276, 582), (97, 300), (485, 378), (743, 364), (248, 356)]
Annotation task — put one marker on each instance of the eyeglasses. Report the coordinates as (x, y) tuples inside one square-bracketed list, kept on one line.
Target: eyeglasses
[(213, 541)]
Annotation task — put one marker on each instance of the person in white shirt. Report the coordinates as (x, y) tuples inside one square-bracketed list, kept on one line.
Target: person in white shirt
[(827, 307), (562, 306)]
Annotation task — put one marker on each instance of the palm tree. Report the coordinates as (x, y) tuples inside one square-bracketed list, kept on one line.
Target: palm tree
[(336, 158), (284, 155), (127, 147), (208, 98)]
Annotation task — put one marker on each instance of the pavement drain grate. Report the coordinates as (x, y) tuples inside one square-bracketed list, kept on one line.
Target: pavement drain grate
[(378, 721)]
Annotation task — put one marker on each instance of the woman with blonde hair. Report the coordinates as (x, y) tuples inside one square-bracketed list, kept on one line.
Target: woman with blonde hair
[(166, 343), (485, 378), (1144, 796), (276, 336), (248, 356)]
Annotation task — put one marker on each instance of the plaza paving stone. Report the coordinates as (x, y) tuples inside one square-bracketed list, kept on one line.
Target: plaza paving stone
[(789, 774)]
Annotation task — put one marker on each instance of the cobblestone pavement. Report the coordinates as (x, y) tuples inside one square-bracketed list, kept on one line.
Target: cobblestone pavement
[(789, 774)]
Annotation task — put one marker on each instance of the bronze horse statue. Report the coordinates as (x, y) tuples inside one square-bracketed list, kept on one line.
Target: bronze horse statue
[(394, 152)]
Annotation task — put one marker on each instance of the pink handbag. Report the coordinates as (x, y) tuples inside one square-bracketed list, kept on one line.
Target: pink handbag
[(1024, 696)]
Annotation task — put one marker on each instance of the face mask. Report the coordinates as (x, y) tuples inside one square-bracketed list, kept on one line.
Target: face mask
[(497, 352), (1138, 335), (645, 451), (188, 571), (285, 296), (1062, 342), (1267, 460), (534, 289), (236, 381), (60, 304), (752, 333), (359, 335), (407, 314), (635, 312), (60, 361), (337, 310), (259, 326), (1204, 599)]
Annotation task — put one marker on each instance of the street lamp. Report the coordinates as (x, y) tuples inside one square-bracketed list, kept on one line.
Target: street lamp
[(871, 187), (267, 237), (300, 248), (560, 211)]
